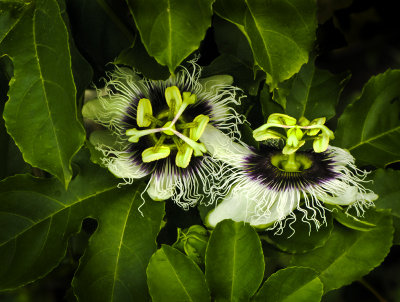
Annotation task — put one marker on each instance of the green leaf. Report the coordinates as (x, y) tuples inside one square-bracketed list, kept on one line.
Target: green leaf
[(231, 41), (293, 284), (171, 30), (37, 216), (41, 112), (314, 93), (302, 237), (348, 254), (242, 74), (10, 12), (386, 185), (231, 10), (81, 69), (101, 30), (349, 220), (113, 267), (137, 58), (174, 277), (281, 34), (369, 128), (234, 261)]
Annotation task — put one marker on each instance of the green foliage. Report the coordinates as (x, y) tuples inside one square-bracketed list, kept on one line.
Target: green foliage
[(174, 277), (370, 127), (349, 254), (41, 113), (171, 30), (305, 238), (234, 261), (293, 284), (53, 53), (114, 264)]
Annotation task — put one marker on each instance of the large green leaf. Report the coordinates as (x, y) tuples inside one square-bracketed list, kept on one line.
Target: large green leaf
[(41, 112), (348, 254), (37, 216), (370, 127), (314, 93), (386, 185), (174, 277), (113, 267), (302, 237), (293, 284), (281, 34), (171, 30), (137, 57), (10, 12), (101, 30), (234, 261)]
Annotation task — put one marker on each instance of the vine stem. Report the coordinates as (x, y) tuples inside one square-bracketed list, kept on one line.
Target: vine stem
[(372, 290)]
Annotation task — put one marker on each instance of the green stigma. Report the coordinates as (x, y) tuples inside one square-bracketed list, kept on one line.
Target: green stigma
[(182, 135)]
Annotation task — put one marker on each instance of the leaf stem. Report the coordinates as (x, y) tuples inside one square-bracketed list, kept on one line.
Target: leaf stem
[(372, 290)]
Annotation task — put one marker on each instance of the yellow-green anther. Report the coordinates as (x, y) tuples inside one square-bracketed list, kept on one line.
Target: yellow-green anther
[(281, 119), (317, 121), (266, 134), (173, 98), (201, 121), (189, 98), (152, 153), (183, 156), (144, 110), (170, 128), (303, 121), (321, 143), (200, 149)]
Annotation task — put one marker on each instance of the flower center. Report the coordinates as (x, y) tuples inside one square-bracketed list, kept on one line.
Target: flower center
[(171, 126), (291, 162)]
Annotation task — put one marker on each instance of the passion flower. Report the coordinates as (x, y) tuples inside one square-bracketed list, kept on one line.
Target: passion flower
[(156, 128), (269, 184)]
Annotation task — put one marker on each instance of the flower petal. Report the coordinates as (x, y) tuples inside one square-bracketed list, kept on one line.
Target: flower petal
[(106, 138), (222, 147), (122, 166), (211, 84), (239, 207), (350, 195), (161, 186), (105, 109)]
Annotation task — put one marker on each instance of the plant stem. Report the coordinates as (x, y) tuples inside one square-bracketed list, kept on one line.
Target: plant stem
[(372, 290)]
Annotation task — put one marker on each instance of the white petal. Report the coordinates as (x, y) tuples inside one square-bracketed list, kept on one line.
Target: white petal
[(349, 196), (105, 138), (122, 166), (222, 147), (161, 186), (260, 211), (211, 84), (105, 109)]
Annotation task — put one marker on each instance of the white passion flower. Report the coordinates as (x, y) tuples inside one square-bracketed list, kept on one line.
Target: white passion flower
[(267, 185), (156, 127)]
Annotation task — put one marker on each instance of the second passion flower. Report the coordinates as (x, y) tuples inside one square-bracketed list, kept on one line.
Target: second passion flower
[(156, 128), (269, 184)]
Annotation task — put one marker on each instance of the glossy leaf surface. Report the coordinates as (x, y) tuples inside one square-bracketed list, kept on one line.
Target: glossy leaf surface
[(171, 30), (370, 127), (293, 284), (348, 254), (234, 261), (41, 112), (174, 277)]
